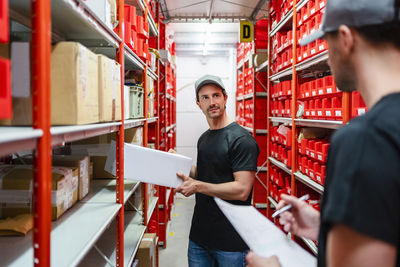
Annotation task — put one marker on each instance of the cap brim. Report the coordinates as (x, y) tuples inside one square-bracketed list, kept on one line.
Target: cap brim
[(312, 37), (205, 82)]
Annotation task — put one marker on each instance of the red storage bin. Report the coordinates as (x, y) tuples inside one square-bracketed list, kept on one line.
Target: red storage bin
[(311, 107), (321, 3), (139, 46), (4, 22), (304, 13), (305, 165), (145, 54), (320, 86), (146, 33), (287, 107), (304, 145), (358, 106), (134, 40), (337, 107), (327, 107), (313, 88), (320, 176), (311, 8), (307, 112), (322, 150), (319, 110), (130, 15), (329, 84), (5, 88), (140, 27), (128, 36), (312, 48), (311, 149), (311, 169)]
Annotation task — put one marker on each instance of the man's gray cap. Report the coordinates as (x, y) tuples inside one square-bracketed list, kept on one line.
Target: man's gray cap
[(208, 79), (355, 13)]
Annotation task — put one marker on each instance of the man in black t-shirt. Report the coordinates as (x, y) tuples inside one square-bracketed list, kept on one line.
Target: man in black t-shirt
[(226, 165), (359, 224)]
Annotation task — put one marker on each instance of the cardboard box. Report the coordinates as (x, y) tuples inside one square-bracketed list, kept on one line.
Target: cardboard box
[(98, 167), (74, 84), (109, 89), (147, 253), (81, 162), (105, 10), (16, 190)]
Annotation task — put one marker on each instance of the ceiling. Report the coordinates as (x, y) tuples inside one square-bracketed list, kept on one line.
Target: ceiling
[(213, 10), (210, 27)]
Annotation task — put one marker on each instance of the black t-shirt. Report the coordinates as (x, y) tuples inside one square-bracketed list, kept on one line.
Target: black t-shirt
[(362, 189), (221, 153)]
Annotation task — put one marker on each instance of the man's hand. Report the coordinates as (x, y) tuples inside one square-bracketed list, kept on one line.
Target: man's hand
[(171, 151), (188, 187), (302, 220), (253, 260)]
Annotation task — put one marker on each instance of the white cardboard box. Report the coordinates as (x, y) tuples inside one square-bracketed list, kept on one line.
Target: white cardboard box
[(149, 165)]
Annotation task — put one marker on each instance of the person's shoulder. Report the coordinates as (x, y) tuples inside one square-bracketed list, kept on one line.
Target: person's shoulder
[(202, 136), (238, 131), (350, 134)]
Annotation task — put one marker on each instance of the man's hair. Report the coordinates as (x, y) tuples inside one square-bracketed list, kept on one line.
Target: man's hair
[(222, 89), (382, 34)]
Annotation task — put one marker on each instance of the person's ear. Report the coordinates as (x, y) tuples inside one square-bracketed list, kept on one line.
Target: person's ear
[(198, 103), (346, 40)]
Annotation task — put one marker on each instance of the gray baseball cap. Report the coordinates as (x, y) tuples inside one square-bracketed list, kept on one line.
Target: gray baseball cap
[(355, 13), (208, 79)]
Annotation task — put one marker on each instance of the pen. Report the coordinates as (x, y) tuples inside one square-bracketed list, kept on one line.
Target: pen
[(288, 207)]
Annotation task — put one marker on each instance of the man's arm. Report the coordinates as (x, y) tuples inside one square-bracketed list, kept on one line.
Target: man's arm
[(193, 172), (239, 189), (346, 247)]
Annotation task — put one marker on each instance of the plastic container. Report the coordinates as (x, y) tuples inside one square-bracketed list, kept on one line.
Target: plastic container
[(136, 97), (5, 89), (4, 22)]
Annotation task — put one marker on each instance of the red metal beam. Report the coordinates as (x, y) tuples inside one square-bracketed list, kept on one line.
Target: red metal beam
[(41, 110), (120, 145)]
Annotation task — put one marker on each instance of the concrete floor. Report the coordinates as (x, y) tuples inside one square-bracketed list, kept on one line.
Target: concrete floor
[(175, 255)]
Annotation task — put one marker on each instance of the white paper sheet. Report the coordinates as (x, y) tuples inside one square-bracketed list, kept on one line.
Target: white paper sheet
[(263, 237), (149, 165)]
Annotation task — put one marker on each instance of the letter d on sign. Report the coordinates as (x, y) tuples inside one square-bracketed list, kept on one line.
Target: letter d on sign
[(246, 31)]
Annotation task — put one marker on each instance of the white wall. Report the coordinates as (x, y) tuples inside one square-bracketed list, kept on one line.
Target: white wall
[(191, 122)]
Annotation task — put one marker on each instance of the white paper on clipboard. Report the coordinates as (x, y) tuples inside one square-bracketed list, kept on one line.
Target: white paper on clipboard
[(263, 237), (150, 165)]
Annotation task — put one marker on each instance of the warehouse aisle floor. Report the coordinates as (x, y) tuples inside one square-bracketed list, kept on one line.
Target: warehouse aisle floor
[(175, 255)]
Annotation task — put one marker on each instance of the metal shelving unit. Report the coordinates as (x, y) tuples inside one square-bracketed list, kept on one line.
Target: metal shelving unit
[(261, 94), (75, 132), (280, 165), (319, 123), (261, 205), (310, 244), (262, 67), (151, 208), (309, 182), (132, 123), (14, 139), (285, 20), (300, 4), (281, 74), (313, 61), (152, 119), (287, 121), (273, 202), (66, 241), (73, 235)]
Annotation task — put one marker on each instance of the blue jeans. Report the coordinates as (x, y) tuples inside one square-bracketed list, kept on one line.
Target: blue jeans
[(199, 256)]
